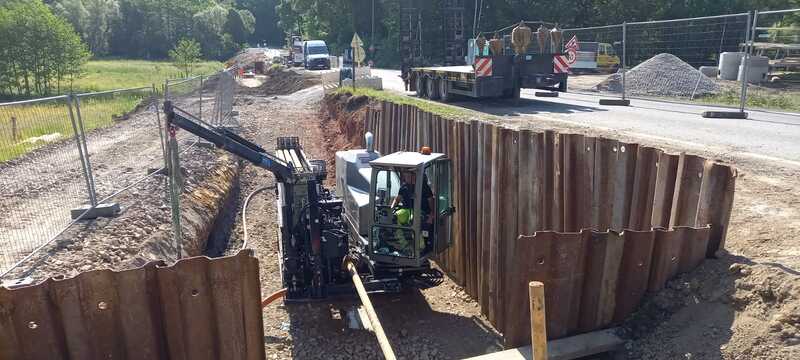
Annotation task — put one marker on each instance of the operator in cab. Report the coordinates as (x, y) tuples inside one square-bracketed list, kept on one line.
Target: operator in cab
[(403, 204)]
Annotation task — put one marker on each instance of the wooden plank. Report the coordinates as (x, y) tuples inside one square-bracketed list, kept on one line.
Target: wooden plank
[(538, 321), (574, 347), (686, 197), (634, 272)]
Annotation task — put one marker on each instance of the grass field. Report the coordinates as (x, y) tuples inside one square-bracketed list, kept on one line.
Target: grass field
[(102, 75), (26, 127)]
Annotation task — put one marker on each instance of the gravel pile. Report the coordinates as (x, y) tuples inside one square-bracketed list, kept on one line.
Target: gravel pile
[(662, 75)]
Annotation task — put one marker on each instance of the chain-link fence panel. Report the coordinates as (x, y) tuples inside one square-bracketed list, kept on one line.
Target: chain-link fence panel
[(123, 137), (599, 57), (687, 59), (774, 67), (188, 94), (224, 86), (42, 172)]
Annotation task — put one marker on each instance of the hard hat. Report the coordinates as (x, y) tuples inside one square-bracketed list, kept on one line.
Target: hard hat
[(404, 216)]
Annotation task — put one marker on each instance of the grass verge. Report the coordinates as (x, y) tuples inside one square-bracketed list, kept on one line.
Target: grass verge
[(759, 99), (102, 75), (24, 128), (444, 110)]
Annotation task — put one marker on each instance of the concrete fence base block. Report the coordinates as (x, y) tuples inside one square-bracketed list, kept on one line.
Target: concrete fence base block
[(101, 210), (205, 144), (546, 94), (615, 102), (725, 114)]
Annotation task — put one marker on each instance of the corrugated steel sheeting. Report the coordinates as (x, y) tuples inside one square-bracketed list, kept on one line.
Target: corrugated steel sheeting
[(524, 200), (198, 308)]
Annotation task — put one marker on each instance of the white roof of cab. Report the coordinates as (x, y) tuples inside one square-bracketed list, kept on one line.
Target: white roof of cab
[(405, 159)]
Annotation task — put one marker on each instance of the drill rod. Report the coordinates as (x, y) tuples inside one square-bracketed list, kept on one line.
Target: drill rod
[(383, 341)]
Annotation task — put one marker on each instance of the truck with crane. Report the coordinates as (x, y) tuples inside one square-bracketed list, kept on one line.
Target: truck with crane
[(499, 67)]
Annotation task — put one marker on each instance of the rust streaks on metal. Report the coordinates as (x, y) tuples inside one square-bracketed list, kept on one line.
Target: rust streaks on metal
[(599, 221), (198, 308)]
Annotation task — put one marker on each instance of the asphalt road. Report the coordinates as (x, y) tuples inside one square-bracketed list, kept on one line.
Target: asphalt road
[(765, 135)]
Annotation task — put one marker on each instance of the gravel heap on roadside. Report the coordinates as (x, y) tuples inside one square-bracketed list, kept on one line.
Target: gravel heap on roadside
[(662, 75)]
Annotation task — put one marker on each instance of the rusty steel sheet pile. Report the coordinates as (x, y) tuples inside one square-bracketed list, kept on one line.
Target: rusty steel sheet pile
[(197, 308), (599, 221)]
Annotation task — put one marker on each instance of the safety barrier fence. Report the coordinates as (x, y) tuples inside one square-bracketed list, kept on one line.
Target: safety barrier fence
[(62, 158), (197, 308), (597, 220), (693, 59)]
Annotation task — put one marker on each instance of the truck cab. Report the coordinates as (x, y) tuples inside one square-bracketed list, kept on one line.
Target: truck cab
[(315, 55)]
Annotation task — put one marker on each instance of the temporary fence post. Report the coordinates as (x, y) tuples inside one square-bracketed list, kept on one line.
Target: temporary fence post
[(538, 321), (624, 62), (158, 123), (90, 176), (200, 116), (76, 132), (174, 169), (746, 58)]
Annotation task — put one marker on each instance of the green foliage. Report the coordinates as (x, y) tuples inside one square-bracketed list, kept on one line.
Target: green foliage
[(185, 55), (39, 52), (102, 75)]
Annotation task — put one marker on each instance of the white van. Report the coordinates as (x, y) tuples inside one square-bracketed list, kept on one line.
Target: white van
[(315, 55)]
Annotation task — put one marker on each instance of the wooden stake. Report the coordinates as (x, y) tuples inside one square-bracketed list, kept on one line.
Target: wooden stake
[(538, 329)]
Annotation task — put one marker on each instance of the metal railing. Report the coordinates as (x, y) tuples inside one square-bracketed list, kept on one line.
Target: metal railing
[(700, 59)]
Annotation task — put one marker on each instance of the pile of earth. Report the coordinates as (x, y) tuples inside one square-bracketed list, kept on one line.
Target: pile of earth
[(662, 75), (282, 81)]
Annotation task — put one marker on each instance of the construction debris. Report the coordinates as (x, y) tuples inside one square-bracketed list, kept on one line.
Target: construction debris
[(662, 75)]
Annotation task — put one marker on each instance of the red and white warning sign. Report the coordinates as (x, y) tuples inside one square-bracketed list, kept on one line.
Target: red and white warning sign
[(572, 50), (483, 67), (561, 64)]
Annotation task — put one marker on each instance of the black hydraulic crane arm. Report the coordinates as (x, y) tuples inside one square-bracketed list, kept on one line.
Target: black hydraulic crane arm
[(230, 142)]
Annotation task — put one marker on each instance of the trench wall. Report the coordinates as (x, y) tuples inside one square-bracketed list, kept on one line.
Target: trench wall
[(599, 221)]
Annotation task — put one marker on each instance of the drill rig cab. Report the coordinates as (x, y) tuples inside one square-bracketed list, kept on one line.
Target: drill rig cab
[(398, 206), (394, 215)]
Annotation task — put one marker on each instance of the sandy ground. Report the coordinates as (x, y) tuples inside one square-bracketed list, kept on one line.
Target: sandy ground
[(438, 323)]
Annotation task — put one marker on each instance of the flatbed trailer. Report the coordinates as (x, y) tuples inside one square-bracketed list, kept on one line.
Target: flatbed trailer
[(494, 76)]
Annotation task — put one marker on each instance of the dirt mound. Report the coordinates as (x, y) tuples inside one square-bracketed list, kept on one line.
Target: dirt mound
[(282, 81), (714, 312), (662, 75)]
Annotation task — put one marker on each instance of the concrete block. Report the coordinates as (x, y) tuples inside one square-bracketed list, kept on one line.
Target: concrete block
[(725, 114), (615, 102), (101, 210)]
